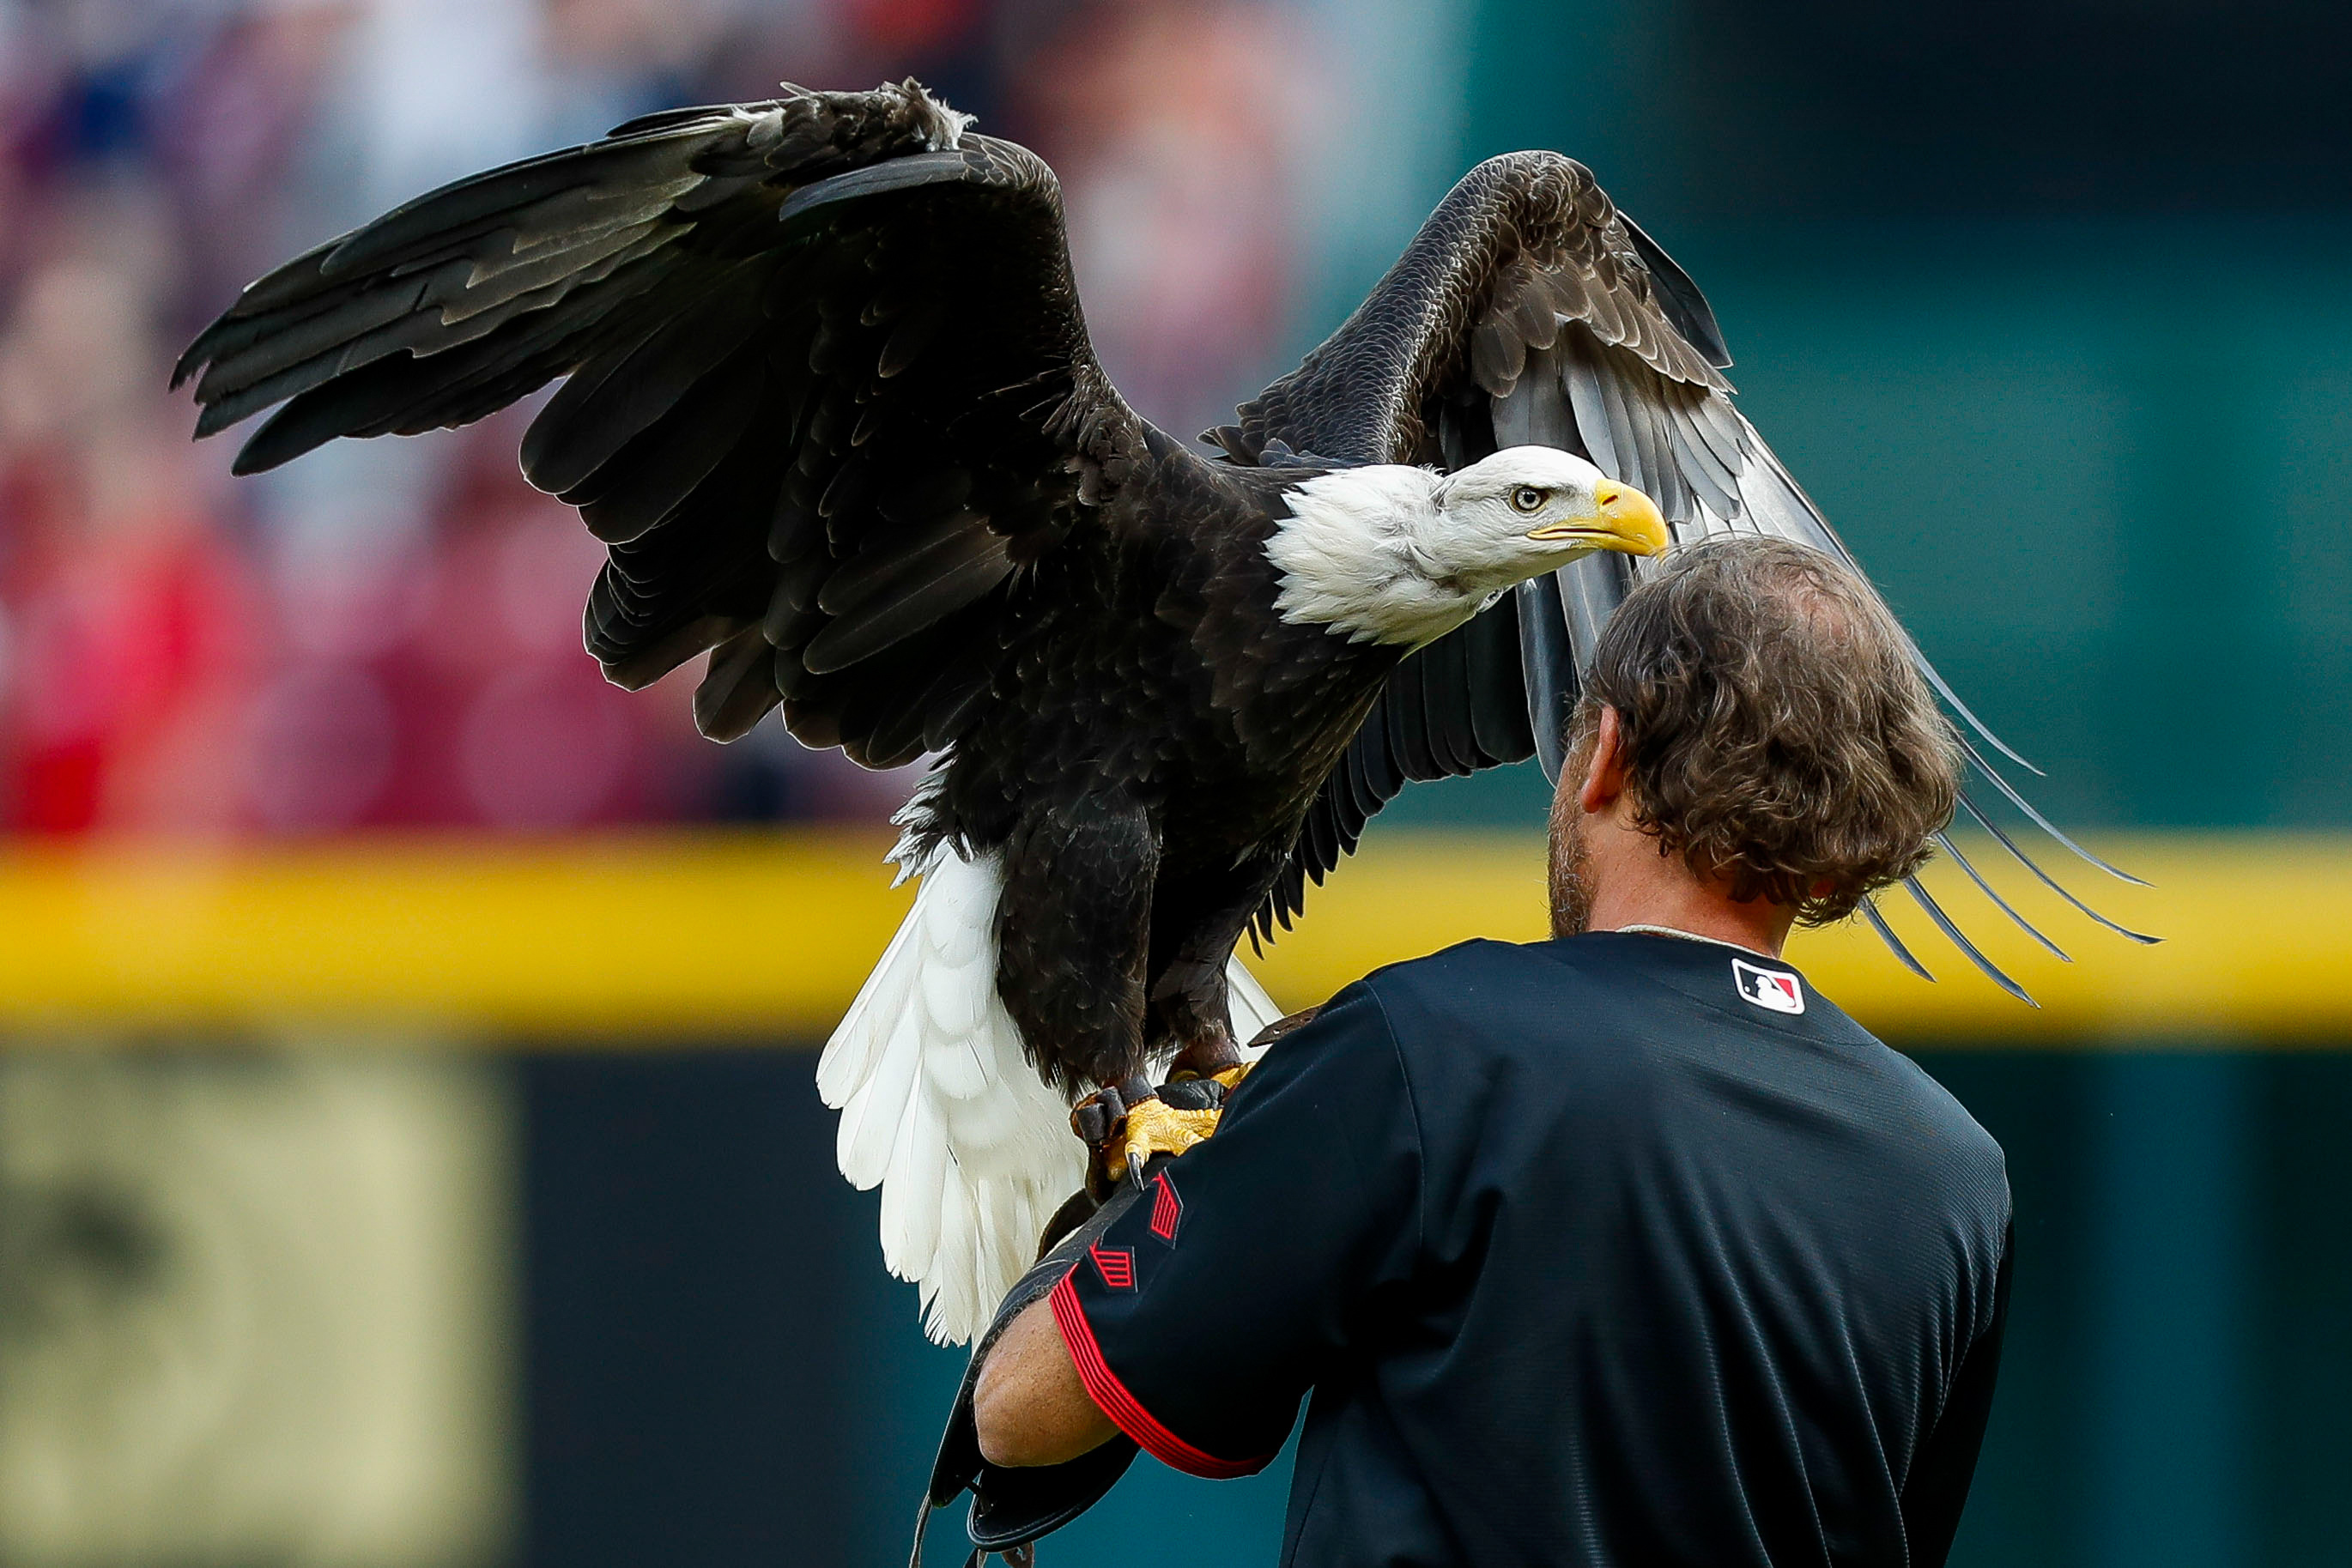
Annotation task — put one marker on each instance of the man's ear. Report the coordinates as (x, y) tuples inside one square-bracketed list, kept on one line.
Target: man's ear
[(1604, 775)]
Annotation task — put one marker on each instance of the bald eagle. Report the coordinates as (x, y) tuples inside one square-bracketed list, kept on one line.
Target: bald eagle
[(829, 400)]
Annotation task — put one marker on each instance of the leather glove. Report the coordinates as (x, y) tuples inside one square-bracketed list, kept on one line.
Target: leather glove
[(1011, 1508)]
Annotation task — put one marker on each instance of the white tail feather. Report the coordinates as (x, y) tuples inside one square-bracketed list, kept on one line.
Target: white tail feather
[(941, 1110), (1248, 1006)]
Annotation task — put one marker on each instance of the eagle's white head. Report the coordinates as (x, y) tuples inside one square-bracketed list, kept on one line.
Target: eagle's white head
[(1403, 555)]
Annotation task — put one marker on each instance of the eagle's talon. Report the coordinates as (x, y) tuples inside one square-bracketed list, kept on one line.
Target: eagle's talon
[(1152, 1127)]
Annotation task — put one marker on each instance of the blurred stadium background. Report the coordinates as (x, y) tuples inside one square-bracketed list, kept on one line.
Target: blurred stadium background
[(408, 1157)]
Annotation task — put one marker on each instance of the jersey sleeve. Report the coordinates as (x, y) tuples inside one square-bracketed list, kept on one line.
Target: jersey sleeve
[(1939, 1484), (1200, 1317)]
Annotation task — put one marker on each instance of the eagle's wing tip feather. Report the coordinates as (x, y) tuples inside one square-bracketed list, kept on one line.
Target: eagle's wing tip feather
[(1958, 938), (1895, 944)]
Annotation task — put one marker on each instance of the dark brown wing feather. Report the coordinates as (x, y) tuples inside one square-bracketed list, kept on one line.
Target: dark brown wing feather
[(1528, 311), (1455, 708), (828, 389)]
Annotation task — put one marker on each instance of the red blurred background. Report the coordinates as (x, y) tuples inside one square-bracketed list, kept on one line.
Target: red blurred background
[(387, 634)]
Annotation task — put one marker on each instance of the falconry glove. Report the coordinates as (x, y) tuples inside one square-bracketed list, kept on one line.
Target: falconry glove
[(1011, 1508)]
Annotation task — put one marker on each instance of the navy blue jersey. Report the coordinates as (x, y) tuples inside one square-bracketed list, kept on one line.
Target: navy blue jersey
[(1624, 1250)]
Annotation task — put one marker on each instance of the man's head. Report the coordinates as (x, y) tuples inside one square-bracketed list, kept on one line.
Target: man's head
[(1754, 714)]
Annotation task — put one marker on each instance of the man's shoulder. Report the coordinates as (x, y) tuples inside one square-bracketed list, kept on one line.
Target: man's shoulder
[(1946, 1136), (1479, 955), (1575, 988), (1469, 978), (1485, 996), (1617, 1013)]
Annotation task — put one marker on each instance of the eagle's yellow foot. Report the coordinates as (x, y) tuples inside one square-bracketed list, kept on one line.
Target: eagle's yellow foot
[(1156, 1128), (1168, 1121)]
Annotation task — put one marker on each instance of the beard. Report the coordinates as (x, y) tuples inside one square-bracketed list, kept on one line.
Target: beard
[(1572, 862)]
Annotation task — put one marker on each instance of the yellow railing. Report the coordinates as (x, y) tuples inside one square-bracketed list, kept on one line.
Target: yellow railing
[(755, 937)]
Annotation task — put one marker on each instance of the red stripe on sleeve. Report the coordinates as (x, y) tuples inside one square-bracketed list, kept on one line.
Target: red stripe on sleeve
[(1167, 1208), (1125, 1412)]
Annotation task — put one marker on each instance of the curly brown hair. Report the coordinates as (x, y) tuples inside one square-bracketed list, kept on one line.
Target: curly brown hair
[(1776, 731)]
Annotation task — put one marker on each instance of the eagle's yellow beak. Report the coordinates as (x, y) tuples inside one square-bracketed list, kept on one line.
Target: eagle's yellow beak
[(1622, 518)]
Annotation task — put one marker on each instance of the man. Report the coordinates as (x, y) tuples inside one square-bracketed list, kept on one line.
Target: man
[(1626, 1247)]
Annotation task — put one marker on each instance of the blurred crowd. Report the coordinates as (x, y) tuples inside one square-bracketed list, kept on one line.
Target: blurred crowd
[(386, 633)]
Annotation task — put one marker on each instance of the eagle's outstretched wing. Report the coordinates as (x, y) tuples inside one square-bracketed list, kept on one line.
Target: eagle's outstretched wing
[(1528, 311), (829, 392), (829, 389)]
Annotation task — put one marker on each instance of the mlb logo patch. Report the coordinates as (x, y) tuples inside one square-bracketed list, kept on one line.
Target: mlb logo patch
[(1774, 990)]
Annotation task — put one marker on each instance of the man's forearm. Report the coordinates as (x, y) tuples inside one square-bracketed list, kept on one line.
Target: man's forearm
[(1030, 1408)]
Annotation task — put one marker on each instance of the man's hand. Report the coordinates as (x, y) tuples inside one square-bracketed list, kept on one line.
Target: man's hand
[(1029, 1407)]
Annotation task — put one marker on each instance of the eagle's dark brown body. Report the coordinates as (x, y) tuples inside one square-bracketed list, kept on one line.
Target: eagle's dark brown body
[(1154, 736)]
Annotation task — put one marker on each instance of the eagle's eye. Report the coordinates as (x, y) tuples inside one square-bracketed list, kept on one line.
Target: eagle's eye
[(1527, 499)]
